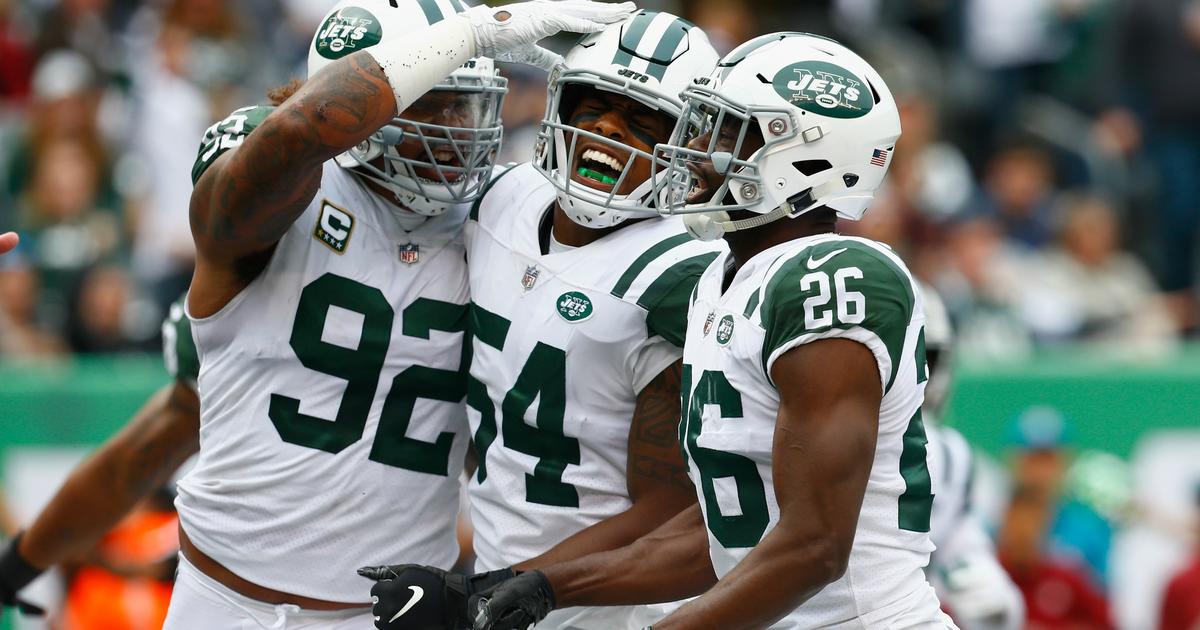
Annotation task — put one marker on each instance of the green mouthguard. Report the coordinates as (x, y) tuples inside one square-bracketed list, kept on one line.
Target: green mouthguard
[(600, 177)]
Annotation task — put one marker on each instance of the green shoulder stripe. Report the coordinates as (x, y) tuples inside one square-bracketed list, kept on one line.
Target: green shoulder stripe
[(838, 285), (667, 299), (474, 214), (179, 349), (752, 303), (226, 135), (641, 262)]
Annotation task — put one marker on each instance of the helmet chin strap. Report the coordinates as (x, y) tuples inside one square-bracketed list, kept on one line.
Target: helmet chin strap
[(710, 226)]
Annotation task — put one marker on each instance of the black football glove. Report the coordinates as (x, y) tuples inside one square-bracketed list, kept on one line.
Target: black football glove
[(15, 574), (514, 604), (416, 597)]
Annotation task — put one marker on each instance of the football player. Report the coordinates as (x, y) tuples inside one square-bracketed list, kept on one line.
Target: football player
[(328, 308), (963, 569), (579, 297), (127, 468), (307, 438), (274, 214), (804, 366)]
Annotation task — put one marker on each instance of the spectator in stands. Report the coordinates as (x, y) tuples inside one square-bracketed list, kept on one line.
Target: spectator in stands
[(65, 105), (980, 282), (1059, 590), (81, 25), (181, 85), (1156, 108), (68, 221), (1018, 192), (1181, 601), (1087, 289), (20, 333), (99, 320), (17, 69)]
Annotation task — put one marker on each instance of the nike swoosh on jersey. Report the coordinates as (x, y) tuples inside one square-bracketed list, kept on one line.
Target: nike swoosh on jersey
[(418, 593), (813, 263)]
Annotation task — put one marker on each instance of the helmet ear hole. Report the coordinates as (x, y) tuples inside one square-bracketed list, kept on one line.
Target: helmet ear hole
[(812, 167), (874, 92)]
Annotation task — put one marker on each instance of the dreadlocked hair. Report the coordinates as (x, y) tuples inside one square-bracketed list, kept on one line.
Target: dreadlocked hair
[(280, 93)]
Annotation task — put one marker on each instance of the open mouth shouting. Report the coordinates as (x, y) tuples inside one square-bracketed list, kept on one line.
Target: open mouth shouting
[(448, 166), (704, 181), (597, 168)]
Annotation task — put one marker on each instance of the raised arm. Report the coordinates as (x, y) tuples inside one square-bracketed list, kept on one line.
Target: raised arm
[(246, 200), (102, 490), (822, 456), (657, 479)]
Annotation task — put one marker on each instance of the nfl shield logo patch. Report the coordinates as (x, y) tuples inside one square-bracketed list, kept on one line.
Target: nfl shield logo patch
[(530, 277), (410, 253)]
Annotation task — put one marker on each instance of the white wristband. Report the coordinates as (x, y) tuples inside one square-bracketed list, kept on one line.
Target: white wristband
[(416, 62)]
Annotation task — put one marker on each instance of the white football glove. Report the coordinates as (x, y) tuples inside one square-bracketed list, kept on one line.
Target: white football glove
[(510, 33)]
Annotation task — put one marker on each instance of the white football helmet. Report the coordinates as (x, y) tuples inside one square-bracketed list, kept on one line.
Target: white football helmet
[(456, 158), (828, 127), (650, 57)]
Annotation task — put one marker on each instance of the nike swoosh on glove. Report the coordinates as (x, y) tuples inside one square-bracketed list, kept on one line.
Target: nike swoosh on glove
[(412, 596), (510, 33)]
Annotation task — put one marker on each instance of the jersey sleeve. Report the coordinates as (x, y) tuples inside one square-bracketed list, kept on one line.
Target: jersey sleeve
[(227, 134), (841, 289), (179, 349)]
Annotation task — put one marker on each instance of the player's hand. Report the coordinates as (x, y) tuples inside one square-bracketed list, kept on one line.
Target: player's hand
[(15, 574), (515, 604), (510, 33), (8, 242), (416, 597)]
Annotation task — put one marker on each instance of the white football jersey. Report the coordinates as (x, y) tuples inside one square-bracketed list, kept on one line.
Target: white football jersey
[(563, 343), (333, 428), (964, 570), (801, 291)]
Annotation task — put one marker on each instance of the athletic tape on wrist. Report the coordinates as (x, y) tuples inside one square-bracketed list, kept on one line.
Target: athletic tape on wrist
[(413, 64)]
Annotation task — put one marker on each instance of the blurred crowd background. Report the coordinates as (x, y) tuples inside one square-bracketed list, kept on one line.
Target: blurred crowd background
[(1047, 184)]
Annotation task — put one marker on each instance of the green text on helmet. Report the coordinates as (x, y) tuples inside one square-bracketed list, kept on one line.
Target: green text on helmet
[(347, 31), (824, 88)]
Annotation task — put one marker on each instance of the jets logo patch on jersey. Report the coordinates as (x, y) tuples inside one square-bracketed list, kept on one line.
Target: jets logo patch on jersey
[(574, 306), (725, 330), (334, 227)]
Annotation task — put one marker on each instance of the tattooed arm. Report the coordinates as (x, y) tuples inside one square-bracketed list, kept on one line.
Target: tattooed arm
[(657, 479), (244, 203), (122, 472)]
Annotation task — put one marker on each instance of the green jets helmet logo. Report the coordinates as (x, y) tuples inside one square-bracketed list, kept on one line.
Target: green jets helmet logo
[(347, 31), (825, 89), (574, 306), (725, 330)]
